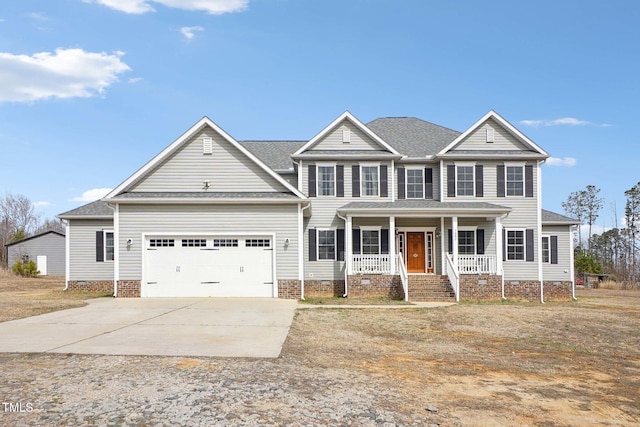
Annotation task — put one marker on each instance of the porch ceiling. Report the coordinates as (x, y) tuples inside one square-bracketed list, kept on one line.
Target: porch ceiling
[(424, 208)]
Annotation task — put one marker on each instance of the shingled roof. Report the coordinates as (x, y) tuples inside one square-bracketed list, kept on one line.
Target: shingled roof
[(413, 137), (97, 209)]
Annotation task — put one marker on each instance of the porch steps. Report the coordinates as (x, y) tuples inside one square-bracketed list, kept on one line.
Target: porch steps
[(430, 287)]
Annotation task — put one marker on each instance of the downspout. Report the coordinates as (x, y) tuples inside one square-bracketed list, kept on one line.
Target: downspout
[(571, 261), (345, 261), (116, 250), (301, 245), (67, 249)]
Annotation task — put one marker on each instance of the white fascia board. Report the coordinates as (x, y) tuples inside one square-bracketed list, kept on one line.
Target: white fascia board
[(495, 116), (71, 217), (426, 213), (348, 116), (189, 200), (205, 121)]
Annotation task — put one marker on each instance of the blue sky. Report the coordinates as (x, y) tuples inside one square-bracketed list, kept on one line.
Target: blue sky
[(92, 89)]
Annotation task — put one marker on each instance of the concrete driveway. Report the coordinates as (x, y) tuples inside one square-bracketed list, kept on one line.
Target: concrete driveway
[(223, 327)]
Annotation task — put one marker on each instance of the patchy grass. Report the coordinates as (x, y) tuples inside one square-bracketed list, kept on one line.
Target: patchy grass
[(561, 363), (25, 297), (353, 301)]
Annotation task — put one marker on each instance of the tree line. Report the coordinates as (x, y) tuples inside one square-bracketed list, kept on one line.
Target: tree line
[(18, 220), (614, 251)]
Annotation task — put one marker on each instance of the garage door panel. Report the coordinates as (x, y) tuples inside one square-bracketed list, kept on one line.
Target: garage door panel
[(224, 267)]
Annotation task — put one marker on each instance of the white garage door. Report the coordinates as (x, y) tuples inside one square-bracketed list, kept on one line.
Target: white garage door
[(196, 266)]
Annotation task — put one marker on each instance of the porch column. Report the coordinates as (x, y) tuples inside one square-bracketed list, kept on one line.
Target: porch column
[(392, 243), (499, 246), (454, 238), (348, 237), (443, 247)]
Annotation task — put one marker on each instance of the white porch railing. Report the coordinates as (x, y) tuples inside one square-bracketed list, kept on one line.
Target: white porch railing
[(454, 276), (401, 269), (371, 263), (477, 264)]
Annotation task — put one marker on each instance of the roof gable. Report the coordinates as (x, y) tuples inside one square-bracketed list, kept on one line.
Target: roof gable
[(186, 166), (53, 233), (360, 136), (492, 133)]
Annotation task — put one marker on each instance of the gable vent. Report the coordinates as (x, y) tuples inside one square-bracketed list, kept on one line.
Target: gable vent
[(346, 136), (207, 145), (490, 134)]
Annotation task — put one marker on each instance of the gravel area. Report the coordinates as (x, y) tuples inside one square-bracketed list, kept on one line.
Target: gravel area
[(139, 391)]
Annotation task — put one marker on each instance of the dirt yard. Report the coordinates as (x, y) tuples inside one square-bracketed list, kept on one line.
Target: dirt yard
[(488, 364)]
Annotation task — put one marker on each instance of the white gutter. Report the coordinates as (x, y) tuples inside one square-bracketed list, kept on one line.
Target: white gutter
[(346, 242)]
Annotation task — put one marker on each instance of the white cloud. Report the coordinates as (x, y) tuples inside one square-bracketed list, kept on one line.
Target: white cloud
[(40, 204), (66, 73), (563, 121), (135, 80), (190, 32), (557, 161), (39, 16), (214, 7), (92, 195)]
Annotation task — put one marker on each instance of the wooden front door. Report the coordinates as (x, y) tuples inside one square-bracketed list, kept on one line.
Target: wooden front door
[(415, 252)]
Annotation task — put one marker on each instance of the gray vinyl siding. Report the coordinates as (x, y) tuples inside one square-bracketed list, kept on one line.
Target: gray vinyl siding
[(323, 216), (477, 140), (50, 245), (291, 178), (194, 220), (333, 139), (436, 177), (82, 250), (524, 215), (227, 169), (562, 270)]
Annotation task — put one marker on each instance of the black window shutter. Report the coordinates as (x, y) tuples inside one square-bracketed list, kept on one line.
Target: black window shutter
[(553, 244), (401, 183), (340, 181), (340, 243), (479, 181), (312, 245), (500, 174), (529, 245), (355, 181), (99, 246), (312, 181), (428, 183), (451, 180), (480, 241), (384, 187), (450, 239), (528, 180), (384, 241), (355, 237), (504, 244)]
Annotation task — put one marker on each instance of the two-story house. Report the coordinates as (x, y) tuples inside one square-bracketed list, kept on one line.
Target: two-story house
[(397, 207)]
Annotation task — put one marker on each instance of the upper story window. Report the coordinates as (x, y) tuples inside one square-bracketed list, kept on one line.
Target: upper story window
[(515, 180), (326, 180), (465, 182), (370, 180), (415, 183)]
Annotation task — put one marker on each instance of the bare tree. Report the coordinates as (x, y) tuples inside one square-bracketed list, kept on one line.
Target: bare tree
[(17, 219), (632, 218), (592, 206), (575, 208), (51, 225)]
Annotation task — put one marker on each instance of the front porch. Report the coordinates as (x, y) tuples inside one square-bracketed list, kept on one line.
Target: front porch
[(405, 239)]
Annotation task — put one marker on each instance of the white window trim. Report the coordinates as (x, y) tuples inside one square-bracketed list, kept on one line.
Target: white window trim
[(371, 228), (104, 245), (514, 164), (406, 183), (368, 165), (335, 244), (473, 172), (524, 244), (335, 179)]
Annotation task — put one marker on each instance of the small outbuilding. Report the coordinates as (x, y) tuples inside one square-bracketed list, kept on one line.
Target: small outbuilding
[(46, 249)]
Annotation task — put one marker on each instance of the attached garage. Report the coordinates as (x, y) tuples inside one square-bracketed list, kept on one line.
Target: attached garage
[(208, 266)]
